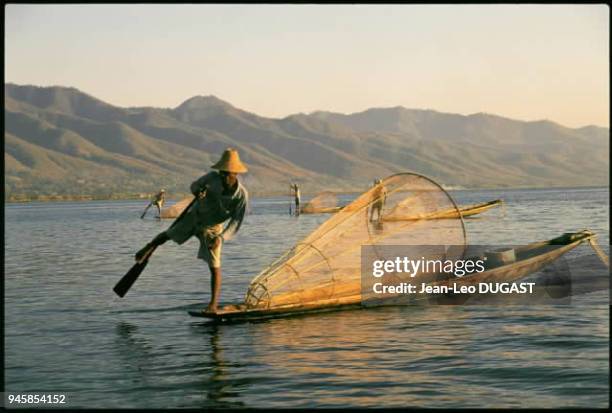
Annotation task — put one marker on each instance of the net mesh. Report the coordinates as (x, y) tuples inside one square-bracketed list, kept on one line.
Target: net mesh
[(176, 209), (325, 267), (325, 202)]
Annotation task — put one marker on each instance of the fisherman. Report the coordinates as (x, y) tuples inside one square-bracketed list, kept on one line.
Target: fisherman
[(380, 196), (296, 191), (157, 200), (221, 198)]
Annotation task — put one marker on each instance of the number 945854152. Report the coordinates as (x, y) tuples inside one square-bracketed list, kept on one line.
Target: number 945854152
[(34, 398)]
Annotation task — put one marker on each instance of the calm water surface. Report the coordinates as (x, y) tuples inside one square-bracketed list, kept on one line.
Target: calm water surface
[(67, 332)]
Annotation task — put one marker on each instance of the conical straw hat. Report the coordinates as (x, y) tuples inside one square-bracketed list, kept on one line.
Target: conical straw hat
[(230, 162)]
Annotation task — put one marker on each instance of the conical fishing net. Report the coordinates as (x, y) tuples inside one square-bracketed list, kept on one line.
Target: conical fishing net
[(325, 202), (176, 209), (325, 267)]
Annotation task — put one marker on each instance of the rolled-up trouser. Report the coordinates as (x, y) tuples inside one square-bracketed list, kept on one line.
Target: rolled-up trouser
[(211, 255), (186, 228)]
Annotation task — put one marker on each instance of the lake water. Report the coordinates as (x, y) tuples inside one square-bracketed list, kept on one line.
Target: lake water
[(66, 331)]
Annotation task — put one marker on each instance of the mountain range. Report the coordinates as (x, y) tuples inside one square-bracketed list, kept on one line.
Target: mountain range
[(61, 141)]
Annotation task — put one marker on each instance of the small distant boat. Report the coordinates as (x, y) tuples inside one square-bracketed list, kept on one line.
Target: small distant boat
[(175, 210), (324, 203), (528, 259)]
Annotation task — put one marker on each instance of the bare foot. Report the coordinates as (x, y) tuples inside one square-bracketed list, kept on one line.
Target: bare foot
[(212, 308)]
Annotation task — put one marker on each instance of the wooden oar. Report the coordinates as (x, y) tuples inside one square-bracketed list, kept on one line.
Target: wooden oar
[(145, 211), (126, 282)]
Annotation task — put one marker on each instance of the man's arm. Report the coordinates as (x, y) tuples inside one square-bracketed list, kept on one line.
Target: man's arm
[(236, 220), (199, 185)]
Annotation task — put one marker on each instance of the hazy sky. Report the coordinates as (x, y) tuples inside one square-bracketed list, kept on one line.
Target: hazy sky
[(525, 62)]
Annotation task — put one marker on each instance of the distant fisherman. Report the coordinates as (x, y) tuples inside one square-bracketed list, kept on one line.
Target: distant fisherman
[(158, 200), (221, 198), (296, 191), (380, 197)]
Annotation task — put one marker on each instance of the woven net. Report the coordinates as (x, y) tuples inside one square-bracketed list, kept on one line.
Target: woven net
[(176, 209), (325, 267), (325, 202)]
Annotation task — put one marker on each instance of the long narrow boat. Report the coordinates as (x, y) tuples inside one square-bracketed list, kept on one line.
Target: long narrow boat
[(465, 211), (478, 208), (529, 259)]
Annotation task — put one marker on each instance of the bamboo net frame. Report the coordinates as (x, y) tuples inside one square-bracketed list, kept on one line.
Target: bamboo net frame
[(326, 265)]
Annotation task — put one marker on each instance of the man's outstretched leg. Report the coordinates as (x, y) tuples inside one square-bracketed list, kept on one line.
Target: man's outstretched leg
[(157, 241)]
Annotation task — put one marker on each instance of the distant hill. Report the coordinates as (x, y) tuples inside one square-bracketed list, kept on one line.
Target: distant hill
[(61, 141)]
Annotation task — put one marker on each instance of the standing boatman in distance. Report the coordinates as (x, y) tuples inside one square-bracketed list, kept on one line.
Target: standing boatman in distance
[(296, 192), (220, 198), (380, 197), (158, 200)]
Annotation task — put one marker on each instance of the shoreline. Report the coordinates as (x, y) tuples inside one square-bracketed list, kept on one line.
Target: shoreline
[(179, 196)]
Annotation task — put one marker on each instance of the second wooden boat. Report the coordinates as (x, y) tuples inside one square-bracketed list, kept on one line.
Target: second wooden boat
[(464, 211), (478, 208), (529, 259)]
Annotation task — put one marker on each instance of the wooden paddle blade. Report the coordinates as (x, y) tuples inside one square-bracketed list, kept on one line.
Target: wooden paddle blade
[(129, 278)]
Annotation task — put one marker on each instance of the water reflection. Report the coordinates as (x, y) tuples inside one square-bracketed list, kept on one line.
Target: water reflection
[(134, 351), (148, 367), (397, 356), (367, 353), (217, 386)]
